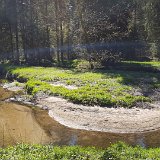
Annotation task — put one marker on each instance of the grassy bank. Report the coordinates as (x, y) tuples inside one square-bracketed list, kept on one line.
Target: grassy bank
[(118, 151), (153, 66), (101, 87)]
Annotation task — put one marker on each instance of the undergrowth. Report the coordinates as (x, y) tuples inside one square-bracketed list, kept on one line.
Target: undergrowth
[(119, 151), (103, 87), (154, 64)]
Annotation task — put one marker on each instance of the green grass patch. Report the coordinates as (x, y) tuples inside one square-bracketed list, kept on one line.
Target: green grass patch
[(103, 87), (153, 66), (119, 151)]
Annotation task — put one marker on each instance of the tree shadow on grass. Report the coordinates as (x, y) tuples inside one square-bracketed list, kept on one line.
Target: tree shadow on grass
[(147, 82)]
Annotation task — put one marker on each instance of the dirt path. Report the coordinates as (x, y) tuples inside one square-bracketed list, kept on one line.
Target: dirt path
[(96, 118)]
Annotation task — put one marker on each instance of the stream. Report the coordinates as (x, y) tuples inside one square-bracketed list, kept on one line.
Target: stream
[(20, 123)]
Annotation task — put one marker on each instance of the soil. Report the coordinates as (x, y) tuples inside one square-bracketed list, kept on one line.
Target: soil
[(4, 95)]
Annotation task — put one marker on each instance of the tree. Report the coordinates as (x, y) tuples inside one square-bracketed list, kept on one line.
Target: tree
[(37, 32)]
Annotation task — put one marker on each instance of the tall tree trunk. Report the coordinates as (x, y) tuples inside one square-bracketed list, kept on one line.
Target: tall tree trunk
[(11, 41), (16, 33), (62, 43), (57, 29), (48, 56)]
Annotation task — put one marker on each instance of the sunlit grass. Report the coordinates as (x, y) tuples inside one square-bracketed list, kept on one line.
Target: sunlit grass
[(155, 64), (104, 88)]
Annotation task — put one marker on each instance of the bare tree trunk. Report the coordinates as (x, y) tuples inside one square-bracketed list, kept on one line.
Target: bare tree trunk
[(11, 41), (62, 43), (57, 29), (68, 41), (17, 34), (48, 56)]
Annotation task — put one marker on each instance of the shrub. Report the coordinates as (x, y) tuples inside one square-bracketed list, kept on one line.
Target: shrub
[(81, 65), (105, 58)]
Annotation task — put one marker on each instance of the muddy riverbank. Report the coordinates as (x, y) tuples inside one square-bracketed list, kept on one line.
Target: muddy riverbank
[(95, 118), (22, 124), (19, 123)]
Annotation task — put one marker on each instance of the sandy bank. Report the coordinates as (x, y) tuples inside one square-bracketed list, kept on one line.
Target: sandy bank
[(96, 118)]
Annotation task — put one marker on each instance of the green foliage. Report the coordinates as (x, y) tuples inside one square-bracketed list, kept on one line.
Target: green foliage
[(99, 94), (119, 151), (152, 66), (152, 63), (81, 65), (3, 81), (48, 152), (104, 88)]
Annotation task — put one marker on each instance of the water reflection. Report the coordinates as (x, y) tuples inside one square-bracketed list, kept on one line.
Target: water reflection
[(22, 124), (73, 140), (141, 142)]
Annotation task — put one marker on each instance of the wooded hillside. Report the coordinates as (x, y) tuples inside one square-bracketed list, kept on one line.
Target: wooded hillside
[(42, 31)]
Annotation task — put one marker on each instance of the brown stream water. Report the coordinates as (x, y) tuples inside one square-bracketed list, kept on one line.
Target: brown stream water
[(19, 123)]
